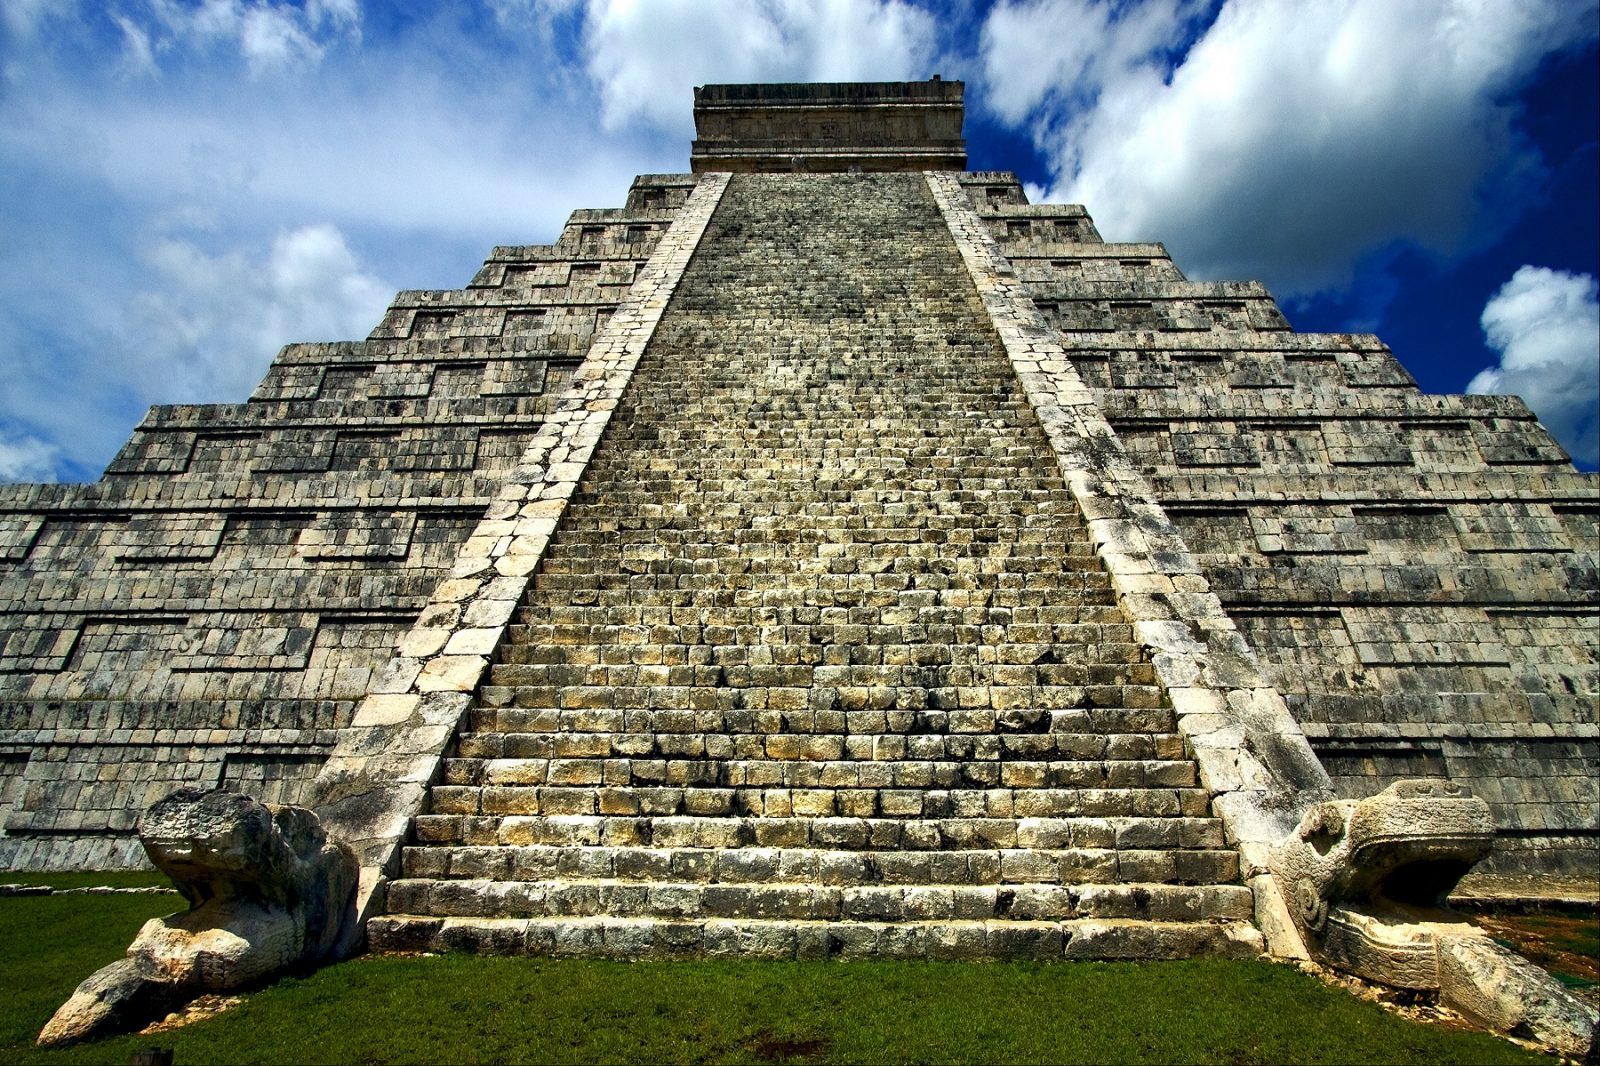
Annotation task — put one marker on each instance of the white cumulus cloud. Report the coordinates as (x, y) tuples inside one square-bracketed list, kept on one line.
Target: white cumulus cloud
[(1060, 52), (218, 318), (1292, 139), (1546, 326), (269, 36), (645, 57), (26, 458)]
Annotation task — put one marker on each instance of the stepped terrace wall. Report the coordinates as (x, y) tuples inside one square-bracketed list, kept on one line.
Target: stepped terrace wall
[(1417, 573), (210, 611)]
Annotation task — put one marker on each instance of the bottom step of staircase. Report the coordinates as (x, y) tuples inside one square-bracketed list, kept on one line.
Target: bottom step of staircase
[(654, 938)]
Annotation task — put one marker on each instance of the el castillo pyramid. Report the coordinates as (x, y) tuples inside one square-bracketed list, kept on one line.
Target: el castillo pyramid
[(825, 551)]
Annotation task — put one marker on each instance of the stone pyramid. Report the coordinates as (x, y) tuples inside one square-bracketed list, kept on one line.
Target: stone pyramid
[(826, 553)]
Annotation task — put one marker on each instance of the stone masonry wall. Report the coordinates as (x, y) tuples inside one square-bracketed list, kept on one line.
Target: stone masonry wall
[(1417, 573), (211, 610)]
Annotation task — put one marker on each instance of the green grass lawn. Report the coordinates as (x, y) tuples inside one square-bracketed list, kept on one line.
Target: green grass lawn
[(464, 1009), (80, 879)]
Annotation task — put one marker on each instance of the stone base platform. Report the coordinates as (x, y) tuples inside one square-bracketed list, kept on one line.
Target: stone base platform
[(756, 938)]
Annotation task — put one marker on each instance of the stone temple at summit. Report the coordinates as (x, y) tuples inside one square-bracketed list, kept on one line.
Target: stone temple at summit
[(824, 539)]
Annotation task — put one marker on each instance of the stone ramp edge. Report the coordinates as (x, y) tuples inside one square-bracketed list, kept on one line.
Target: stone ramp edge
[(376, 779), (1252, 755)]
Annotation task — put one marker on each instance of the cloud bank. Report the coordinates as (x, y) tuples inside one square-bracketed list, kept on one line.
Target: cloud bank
[(1289, 141), (643, 57)]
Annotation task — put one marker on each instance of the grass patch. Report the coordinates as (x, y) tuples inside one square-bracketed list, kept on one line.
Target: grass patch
[(50, 943), (462, 1009), (89, 879), (1566, 943)]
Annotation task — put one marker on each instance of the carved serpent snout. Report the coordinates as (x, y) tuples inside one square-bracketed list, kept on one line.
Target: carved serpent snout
[(1367, 880), (1410, 843)]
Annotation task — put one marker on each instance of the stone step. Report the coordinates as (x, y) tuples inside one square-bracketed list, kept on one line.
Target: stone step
[(807, 665), (1013, 497), (912, 426), (866, 733), (946, 625), (794, 485), (863, 749), (1187, 833), (886, 557), (908, 801), (994, 547), (766, 530), (828, 663), (698, 522), (648, 570), (820, 660), (1029, 483), (1022, 489), (838, 868), (929, 678), (577, 897), (861, 595), (643, 938), (833, 446), (993, 494), (809, 774), (988, 691), (879, 561), (1054, 640), (853, 585), (887, 688), (1070, 624), (949, 624)]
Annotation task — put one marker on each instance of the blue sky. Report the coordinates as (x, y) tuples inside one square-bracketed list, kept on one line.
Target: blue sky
[(190, 184)]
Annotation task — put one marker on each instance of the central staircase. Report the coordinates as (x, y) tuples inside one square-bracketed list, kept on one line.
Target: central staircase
[(820, 661)]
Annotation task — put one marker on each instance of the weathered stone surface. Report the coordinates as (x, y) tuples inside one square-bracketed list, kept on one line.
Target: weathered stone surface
[(1412, 572), (820, 639), (1506, 992), (849, 126), (1410, 844), (1367, 882), (266, 888), (756, 938), (874, 553)]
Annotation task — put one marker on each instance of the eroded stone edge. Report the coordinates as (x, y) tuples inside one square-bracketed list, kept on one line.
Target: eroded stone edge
[(1252, 755), (376, 779)]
